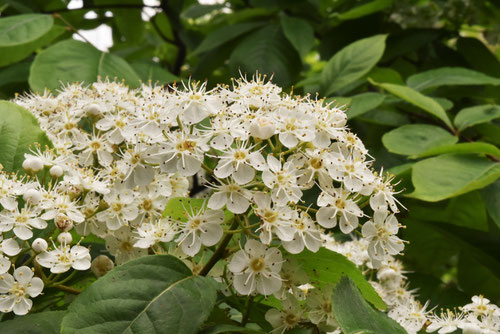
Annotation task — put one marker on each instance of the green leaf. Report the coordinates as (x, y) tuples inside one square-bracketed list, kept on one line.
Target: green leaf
[(475, 147), (47, 322), (450, 175), (225, 34), (268, 51), (467, 210), (414, 139), (478, 56), (476, 115), (130, 24), (226, 328), (476, 278), (364, 102), (417, 99), (491, 197), (385, 115), (71, 60), (19, 130), (365, 9), (327, 267), (152, 294), (150, 71), (355, 316), (299, 32), (449, 76), (385, 74), (20, 35), (351, 63)]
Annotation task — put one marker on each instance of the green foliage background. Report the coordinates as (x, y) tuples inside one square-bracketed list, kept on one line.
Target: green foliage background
[(421, 80)]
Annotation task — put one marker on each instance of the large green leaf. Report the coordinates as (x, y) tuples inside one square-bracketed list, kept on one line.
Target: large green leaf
[(355, 316), (178, 208), (414, 139), (474, 147), (351, 63), (299, 32), (327, 267), (71, 61), (225, 34), (445, 76), (19, 130), (476, 115), (20, 35), (478, 56), (449, 175), (47, 322), (152, 294), (267, 51), (417, 99), (363, 103), (491, 197)]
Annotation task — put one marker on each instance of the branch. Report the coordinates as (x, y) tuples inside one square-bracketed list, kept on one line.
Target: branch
[(176, 28), (219, 252), (110, 6)]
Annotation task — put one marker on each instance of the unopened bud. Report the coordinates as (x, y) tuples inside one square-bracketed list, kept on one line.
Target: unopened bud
[(39, 245), (101, 265), (63, 223), (262, 128), (36, 164), (93, 110), (56, 171), (64, 238), (32, 196)]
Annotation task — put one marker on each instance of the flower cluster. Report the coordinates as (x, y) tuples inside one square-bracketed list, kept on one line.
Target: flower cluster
[(277, 173)]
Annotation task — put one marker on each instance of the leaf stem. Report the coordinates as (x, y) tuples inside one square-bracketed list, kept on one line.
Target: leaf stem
[(219, 252)]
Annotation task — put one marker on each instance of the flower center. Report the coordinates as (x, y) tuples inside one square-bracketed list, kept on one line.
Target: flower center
[(257, 264), (270, 216), (126, 246), (340, 203), (291, 319), (240, 155), (95, 145), (195, 223), (17, 290), (147, 205), (117, 207), (186, 145), (316, 163)]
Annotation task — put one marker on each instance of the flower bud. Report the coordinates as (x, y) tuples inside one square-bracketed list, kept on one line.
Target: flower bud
[(262, 128), (36, 164), (64, 238), (93, 110), (39, 245), (32, 196), (101, 265), (56, 171), (63, 223)]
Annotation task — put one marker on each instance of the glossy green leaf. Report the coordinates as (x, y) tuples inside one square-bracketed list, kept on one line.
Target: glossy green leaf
[(449, 76), (299, 32), (365, 9), (226, 34), (417, 99), (364, 102), (269, 52), (414, 139), (478, 55), (474, 147), (20, 35), (19, 130), (477, 278), (150, 71), (355, 316), (385, 74), (327, 267), (130, 24), (450, 175), (476, 115), (228, 329), (47, 322), (71, 61), (351, 63), (152, 294), (491, 197), (178, 208)]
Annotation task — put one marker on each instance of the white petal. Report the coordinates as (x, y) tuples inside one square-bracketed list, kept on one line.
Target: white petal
[(243, 174), (35, 288), (327, 217), (243, 284), (211, 234), (23, 275), (10, 247), (237, 203), (22, 232), (217, 200)]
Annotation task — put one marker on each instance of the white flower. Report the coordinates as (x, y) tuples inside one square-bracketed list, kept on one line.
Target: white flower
[(61, 204), (481, 306), (115, 125), (123, 208), (349, 167), (445, 323), (411, 316), (293, 127), (282, 180), (95, 145), (203, 227), (274, 219), (336, 202), (288, 318), (232, 195), (197, 104), (383, 194), (22, 222), (121, 245), (16, 289), (262, 127), (319, 303), (64, 257), (162, 230), (239, 162), (381, 233), (306, 234), (133, 166), (256, 268), (9, 247)]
